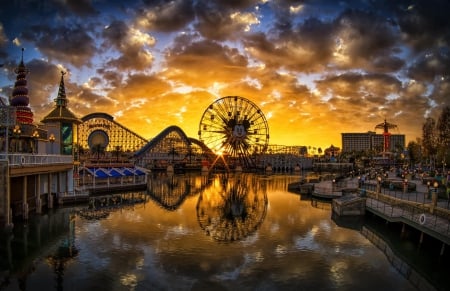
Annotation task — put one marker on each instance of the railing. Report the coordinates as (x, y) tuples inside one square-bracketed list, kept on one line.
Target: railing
[(416, 213), (21, 159), (419, 195)]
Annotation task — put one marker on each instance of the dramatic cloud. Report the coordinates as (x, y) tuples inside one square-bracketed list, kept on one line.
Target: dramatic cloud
[(70, 44), (132, 45), (166, 16)]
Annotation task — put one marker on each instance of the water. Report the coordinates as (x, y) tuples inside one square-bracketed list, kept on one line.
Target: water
[(241, 232)]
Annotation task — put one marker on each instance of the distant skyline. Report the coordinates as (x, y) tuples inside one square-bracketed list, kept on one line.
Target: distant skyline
[(315, 68)]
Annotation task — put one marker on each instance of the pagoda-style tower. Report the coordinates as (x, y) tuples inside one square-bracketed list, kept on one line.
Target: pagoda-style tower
[(19, 98), (61, 124)]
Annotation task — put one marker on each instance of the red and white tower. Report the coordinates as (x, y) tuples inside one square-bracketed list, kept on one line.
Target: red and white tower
[(385, 126), (19, 98)]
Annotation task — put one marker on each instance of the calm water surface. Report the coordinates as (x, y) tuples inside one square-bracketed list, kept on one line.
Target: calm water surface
[(189, 232)]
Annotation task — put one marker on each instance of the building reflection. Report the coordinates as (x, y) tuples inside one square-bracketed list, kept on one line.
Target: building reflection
[(64, 254), (20, 249), (233, 209), (101, 206)]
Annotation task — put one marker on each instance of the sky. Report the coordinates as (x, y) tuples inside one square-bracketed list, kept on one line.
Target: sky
[(315, 68)]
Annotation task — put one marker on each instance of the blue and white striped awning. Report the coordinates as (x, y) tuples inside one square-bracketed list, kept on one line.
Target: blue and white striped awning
[(113, 172)]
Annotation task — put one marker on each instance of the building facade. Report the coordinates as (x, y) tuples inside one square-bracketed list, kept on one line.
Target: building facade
[(31, 176), (356, 142)]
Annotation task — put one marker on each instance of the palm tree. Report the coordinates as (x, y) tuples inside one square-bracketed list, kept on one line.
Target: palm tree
[(190, 154), (117, 151), (173, 153), (98, 149)]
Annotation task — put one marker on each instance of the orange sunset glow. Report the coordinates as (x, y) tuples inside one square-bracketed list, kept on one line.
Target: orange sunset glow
[(316, 69)]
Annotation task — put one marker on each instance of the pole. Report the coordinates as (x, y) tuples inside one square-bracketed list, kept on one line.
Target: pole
[(434, 196), (7, 135)]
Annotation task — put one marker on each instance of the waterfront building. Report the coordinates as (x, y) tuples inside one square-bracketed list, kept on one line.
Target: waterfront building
[(371, 141), (282, 158), (31, 178)]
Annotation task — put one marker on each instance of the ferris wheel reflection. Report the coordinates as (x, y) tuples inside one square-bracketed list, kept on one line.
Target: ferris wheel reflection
[(233, 209)]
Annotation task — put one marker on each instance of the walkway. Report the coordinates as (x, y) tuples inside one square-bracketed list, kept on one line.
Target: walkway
[(419, 216), (420, 195), (414, 208)]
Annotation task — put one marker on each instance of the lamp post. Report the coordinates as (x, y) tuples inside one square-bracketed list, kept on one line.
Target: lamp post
[(16, 132), (386, 176), (51, 139), (428, 190), (405, 186), (35, 138), (378, 185), (434, 196)]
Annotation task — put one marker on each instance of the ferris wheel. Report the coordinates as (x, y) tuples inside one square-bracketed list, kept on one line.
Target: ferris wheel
[(235, 127)]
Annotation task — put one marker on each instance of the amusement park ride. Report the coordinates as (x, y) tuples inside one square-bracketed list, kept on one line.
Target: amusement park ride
[(233, 132), (234, 127), (385, 126)]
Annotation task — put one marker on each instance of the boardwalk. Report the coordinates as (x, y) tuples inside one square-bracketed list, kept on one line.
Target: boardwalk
[(417, 215), (414, 208)]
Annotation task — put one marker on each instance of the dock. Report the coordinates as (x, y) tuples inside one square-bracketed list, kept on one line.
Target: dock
[(73, 198), (413, 206), (328, 188), (82, 194), (349, 205), (111, 188)]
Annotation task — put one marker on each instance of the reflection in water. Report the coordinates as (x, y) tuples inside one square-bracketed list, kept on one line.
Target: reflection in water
[(169, 191), (284, 243), (321, 204), (231, 211), (64, 254), (21, 249), (100, 207), (397, 262)]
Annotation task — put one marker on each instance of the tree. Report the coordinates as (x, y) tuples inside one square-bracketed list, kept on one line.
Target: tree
[(98, 149), (173, 152), (429, 140), (190, 154), (414, 152), (117, 151), (303, 150), (443, 135)]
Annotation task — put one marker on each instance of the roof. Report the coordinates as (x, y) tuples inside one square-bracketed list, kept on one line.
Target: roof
[(61, 114)]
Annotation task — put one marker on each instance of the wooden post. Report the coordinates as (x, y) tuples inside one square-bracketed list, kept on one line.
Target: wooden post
[(38, 194), (24, 198)]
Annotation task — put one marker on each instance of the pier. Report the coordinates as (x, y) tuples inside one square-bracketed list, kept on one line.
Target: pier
[(417, 206), (32, 182)]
